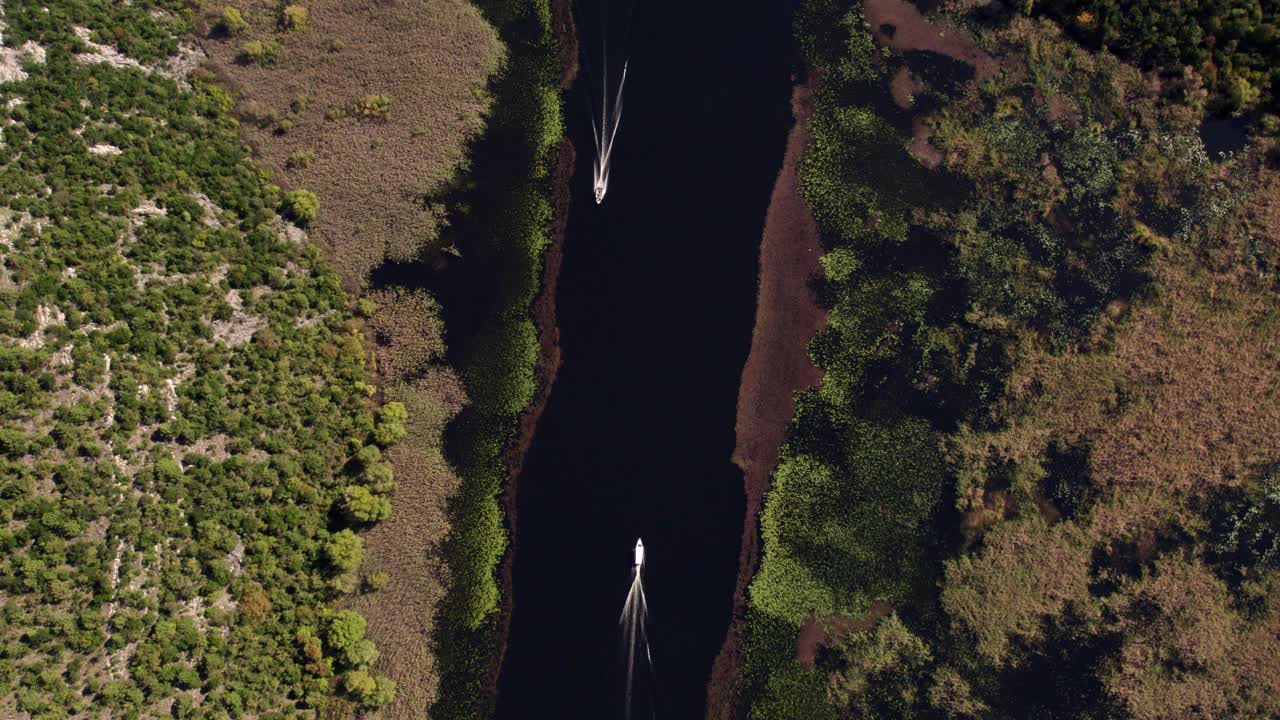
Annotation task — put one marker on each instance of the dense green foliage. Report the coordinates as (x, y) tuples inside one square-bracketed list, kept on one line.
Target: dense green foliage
[(1057, 179), (504, 238), (1234, 44), (184, 402)]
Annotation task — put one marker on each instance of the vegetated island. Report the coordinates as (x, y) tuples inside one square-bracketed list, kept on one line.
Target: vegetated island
[(1038, 476), (226, 487)]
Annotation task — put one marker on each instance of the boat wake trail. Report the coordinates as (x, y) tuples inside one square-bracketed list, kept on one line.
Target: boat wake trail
[(606, 115), (604, 134), (637, 662)]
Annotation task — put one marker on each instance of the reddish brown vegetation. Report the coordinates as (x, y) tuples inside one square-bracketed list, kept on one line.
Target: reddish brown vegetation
[(899, 25), (1172, 412), (1180, 616), (911, 31), (904, 86), (777, 367)]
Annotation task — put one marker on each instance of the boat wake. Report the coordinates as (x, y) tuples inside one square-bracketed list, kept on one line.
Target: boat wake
[(604, 134), (637, 661), (606, 116)]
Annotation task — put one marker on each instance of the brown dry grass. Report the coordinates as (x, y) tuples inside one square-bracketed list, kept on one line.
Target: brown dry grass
[(408, 546), (407, 330), (1187, 654), (1026, 570), (1177, 396), (432, 58), (375, 178)]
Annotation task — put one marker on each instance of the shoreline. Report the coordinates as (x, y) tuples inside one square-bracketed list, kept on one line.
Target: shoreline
[(549, 358), (777, 367), (544, 315)]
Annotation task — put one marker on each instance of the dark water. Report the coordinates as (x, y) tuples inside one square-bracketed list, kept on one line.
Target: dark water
[(656, 305), (1223, 136)]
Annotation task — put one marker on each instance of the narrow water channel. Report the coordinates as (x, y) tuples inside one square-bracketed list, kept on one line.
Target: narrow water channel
[(656, 302)]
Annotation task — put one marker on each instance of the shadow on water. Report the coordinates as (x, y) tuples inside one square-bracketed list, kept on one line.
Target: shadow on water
[(656, 306), (1223, 136)]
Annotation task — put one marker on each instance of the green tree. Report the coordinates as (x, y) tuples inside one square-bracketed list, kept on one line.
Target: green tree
[(363, 505), (361, 654), (346, 628), (345, 551), (391, 420), (369, 691)]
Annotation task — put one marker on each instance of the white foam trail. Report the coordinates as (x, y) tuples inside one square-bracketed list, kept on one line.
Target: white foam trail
[(605, 133), (632, 622)]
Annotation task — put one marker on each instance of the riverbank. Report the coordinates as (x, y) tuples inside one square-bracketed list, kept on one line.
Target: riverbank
[(544, 317), (777, 367), (386, 176)]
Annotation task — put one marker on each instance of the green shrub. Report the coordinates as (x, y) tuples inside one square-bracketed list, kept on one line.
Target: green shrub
[(262, 52), (361, 654), (369, 691), (500, 367), (300, 159), (391, 420), (378, 477), (346, 628), (284, 411), (295, 18), (373, 107), (879, 670), (794, 692), (232, 22), (302, 205), (13, 443)]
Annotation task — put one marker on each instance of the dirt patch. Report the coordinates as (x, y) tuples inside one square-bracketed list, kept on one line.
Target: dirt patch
[(920, 148), (904, 86), (816, 632), (777, 367), (899, 25), (909, 30)]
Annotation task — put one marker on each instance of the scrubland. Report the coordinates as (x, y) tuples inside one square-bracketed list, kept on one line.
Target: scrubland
[(1038, 477)]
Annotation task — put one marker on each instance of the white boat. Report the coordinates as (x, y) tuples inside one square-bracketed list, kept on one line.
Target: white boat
[(639, 552)]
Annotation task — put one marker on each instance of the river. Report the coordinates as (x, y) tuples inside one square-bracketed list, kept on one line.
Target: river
[(656, 304)]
